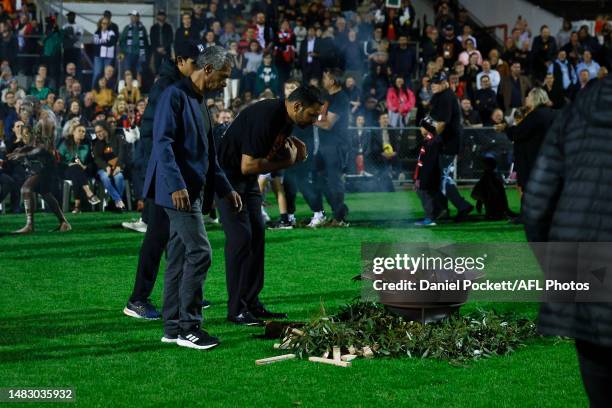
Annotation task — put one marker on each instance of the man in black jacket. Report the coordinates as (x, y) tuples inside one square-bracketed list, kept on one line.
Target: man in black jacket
[(486, 100), (543, 52), (161, 40), (446, 115), (568, 200), (154, 218), (403, 59), (310, 53)]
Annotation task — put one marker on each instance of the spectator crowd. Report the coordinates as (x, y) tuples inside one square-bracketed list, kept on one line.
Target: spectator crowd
[(95, 89)]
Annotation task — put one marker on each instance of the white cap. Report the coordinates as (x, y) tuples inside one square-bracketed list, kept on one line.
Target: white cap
[(134, 13)]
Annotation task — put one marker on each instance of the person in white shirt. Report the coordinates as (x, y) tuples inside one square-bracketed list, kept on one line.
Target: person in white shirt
[(105, 40), (588, 64), (492, 74)]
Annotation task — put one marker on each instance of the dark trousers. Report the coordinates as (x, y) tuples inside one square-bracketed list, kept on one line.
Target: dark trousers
[(596, 370), (9, 186), (299, 178), (79, 179), (244, 248), (151, 251), (189, 258), (448, 186), (142, 152), (428, 201), (330, 163)]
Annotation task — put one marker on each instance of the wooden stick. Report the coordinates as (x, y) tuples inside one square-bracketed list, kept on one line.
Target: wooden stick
[(275, 359), (336, 353), (348, 357), (329, 361), (298, 332)]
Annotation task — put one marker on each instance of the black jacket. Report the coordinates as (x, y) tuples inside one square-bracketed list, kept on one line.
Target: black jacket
[(168, 74), (403, 62), (8, 50), (304, 51), (568, 199), (527, 137), (161, 36)]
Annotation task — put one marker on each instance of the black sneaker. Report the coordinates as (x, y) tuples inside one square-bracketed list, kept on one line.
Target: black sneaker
[(206, 304), (197, 339), (141, 310), (462, 215), (280, 224), (261, 312), (442, 215), (245, 319)]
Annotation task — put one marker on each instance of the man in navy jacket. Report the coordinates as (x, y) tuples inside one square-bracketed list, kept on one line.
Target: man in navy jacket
[(182, 162)]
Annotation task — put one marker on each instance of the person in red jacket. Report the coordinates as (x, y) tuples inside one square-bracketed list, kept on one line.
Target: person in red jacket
[(400, 101)]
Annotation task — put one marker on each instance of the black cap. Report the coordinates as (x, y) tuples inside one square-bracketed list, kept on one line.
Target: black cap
[(428, 124), (161, 13), (188, 49), (107, 13), (70, 13), (449, 27), (439, 77)]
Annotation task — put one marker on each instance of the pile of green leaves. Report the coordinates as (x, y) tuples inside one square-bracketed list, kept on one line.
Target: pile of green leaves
[(457, 339)]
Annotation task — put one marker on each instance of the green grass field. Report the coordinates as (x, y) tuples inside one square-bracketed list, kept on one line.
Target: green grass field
[(61, 323)]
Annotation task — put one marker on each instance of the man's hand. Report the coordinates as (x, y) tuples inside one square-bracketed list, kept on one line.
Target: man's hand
[(116, 171), (293, 151), (500, 127), (233, 198), (14, 156), (109, 171), (180, 200), (302, 150)]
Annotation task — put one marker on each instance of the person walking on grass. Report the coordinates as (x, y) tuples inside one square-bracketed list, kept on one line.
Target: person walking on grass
[(182, 162)]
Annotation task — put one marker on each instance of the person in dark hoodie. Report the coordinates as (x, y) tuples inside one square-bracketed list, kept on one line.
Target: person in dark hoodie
[(154, 220), (568, 200)]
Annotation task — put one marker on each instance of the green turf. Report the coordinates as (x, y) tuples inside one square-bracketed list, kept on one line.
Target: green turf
[(61, 323)]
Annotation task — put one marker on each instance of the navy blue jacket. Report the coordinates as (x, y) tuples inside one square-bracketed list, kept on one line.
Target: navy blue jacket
[(183, 155)]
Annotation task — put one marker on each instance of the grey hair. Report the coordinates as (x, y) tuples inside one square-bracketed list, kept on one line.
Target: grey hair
[(538, 97), (216, 56)]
